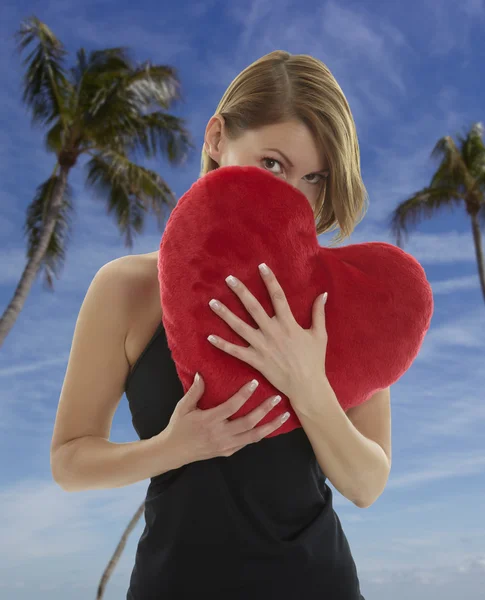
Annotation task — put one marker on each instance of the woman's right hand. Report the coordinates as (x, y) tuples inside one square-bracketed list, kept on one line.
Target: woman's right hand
[(201, 434)]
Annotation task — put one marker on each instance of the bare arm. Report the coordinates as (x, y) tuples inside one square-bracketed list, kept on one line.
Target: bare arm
[(91, 462), (82, 457), (355, 464)]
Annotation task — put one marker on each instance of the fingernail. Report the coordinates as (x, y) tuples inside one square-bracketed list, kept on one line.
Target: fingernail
[(254, 384)]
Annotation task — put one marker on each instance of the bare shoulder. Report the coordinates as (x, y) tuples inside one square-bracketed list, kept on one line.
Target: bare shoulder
[(133, 268), (135, 277)]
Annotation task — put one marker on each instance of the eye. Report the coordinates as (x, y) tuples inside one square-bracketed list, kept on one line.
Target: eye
[(319, 179), (268, 158)]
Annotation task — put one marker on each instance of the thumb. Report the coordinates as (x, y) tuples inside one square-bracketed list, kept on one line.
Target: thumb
[(194, 393), (318, 314)]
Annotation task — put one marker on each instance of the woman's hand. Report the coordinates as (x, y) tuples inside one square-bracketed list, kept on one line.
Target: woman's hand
[(285, 353), (194, 434)]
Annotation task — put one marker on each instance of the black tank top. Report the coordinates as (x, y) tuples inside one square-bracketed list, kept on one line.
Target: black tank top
[(256, 525)]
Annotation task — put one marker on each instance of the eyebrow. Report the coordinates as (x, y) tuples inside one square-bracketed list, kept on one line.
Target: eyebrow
[(289, 161)]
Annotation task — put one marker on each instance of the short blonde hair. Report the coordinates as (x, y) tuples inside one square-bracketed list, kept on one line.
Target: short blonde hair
[(280, 87)]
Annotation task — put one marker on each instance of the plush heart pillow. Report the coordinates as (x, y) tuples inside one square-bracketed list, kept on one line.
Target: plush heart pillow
[(379, 303)]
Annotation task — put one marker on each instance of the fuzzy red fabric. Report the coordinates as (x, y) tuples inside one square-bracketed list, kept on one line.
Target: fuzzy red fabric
[(379, 303)]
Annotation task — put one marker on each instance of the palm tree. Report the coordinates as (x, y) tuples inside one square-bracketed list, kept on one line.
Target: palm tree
[(459, 180), (104, 107)]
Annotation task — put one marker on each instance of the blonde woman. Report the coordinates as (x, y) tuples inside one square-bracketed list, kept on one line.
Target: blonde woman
[(229, 514)]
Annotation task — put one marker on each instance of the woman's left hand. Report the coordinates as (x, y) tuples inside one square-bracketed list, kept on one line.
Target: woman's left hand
[(285, 353)]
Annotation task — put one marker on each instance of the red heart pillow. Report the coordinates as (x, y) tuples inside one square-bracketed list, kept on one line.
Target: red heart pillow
[(379, 303)]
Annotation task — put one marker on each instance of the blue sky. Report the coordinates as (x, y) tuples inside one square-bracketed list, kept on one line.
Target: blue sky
[(411, 74)]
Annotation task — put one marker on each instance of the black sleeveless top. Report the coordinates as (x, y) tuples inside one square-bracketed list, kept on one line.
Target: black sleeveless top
[(257, 525)]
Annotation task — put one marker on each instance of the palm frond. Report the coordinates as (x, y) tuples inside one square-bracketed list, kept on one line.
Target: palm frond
[(154, 86), (423, 204), (45, 82), (452, 166), (96, 72), (160, 133), (459, 179), (53, 140), (117, 59), (110, 111), (118, 111), (54, 256), (474, 153), (132, 191)]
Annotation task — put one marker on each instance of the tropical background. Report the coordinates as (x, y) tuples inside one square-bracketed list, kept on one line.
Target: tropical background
[(412, 75)]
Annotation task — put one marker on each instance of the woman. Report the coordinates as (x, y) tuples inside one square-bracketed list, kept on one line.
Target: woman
[(229, 514)]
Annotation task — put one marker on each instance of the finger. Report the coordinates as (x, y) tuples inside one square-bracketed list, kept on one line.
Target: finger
[(231, 406), (235, 323), (247, 355), (318, 315), (251, 420), (249, 301), (276, 293), (259, 432)]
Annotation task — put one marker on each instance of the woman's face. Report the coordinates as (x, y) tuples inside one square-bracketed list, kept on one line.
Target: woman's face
[(286, 149)]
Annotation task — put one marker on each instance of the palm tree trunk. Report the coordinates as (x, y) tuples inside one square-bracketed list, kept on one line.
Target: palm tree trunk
[(477, 238), (32, 267), (118, 551)]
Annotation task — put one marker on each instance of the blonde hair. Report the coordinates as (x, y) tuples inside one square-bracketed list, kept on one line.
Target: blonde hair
[(280, 87)]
